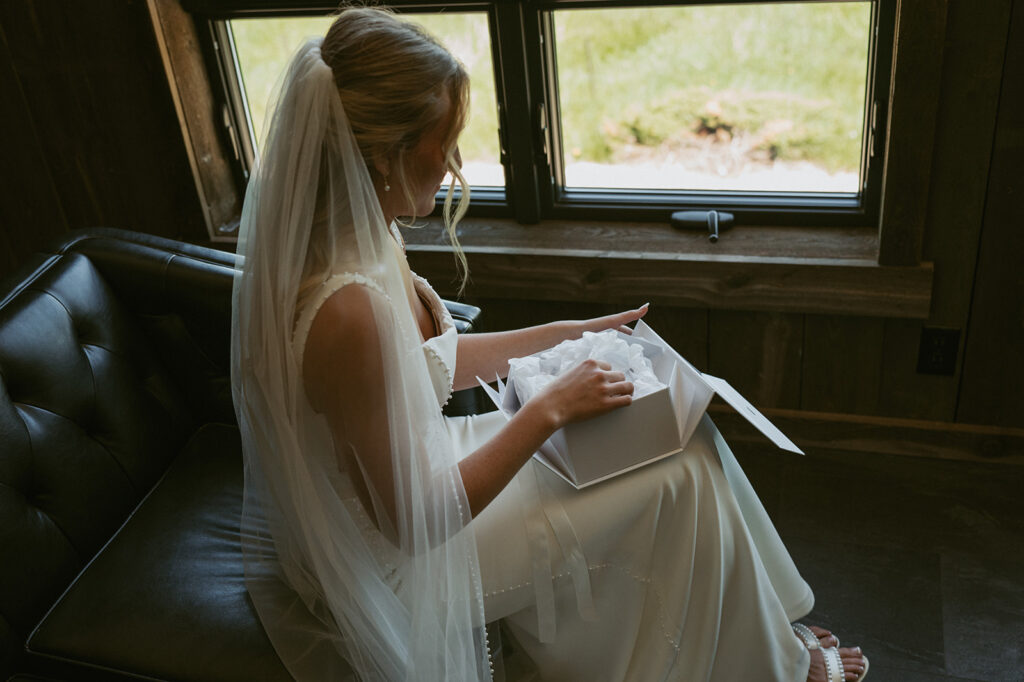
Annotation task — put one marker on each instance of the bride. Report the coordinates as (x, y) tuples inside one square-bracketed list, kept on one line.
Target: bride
[(379, 536)]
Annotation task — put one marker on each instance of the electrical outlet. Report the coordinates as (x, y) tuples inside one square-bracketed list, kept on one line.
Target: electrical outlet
[(938, 350)]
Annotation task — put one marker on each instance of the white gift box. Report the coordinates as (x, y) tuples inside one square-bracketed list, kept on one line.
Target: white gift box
[(652, 427)]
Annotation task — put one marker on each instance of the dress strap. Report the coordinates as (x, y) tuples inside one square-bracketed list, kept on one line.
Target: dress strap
[(326, 290)]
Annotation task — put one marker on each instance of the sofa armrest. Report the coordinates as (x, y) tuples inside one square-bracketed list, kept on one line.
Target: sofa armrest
[(466, 317), (181, 293), (117, 252)]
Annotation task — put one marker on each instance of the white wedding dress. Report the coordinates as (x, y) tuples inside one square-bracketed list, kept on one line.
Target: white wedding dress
[(685, 577)]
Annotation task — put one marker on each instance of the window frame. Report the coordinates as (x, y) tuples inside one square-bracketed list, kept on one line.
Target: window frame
[(526, 92), (750, 208)]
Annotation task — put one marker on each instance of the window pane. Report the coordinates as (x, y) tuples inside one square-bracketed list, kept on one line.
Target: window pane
[(738, 97), (263, 47), (468, 38)]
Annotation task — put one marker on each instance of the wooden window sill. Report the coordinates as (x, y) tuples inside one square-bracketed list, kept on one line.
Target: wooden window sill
[(781, 269)]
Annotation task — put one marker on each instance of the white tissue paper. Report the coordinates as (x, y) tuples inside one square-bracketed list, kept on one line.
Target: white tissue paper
[(664, 414), (530, 375)]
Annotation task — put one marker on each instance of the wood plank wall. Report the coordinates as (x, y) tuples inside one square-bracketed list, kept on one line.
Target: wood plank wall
[(87, 126), (991, 390), (90, 136)]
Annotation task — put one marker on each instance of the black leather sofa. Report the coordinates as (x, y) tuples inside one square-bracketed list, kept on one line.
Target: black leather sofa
[(121, 469)]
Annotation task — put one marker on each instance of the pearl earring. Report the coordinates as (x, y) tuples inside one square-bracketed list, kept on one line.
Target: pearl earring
[(387, 186)]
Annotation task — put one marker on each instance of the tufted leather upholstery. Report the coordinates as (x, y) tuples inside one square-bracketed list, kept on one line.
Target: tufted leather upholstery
[(120, 476), (88, 420)]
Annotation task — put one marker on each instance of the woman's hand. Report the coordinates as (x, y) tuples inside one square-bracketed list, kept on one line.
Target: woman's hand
[(618, 321), (587, 390), (487, 354)]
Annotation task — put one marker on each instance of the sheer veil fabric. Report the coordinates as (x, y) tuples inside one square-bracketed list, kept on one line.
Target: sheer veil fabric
[(321, 591)]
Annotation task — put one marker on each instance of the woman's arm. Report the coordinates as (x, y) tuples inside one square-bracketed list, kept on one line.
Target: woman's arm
[(344, 379), (486, 355), (343, 376)]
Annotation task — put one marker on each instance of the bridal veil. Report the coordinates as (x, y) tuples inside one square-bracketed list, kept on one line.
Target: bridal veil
[(320, 587)]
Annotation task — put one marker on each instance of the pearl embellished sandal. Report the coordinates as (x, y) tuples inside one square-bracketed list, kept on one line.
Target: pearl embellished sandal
[(808, 637), (833, 661)]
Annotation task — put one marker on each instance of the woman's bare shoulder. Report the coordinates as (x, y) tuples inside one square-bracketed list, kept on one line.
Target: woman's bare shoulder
[(344, 342)]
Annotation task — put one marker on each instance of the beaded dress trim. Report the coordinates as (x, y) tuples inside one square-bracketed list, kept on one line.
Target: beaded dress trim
[(326, 290), (439, 350)]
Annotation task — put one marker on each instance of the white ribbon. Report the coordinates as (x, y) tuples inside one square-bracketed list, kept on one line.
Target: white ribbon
[(543, 583), (541, 507), (572, 551)]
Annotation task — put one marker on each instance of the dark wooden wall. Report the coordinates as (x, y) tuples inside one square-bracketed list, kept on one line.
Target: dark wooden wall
[(992, 390), (90, 136), (88, 131)]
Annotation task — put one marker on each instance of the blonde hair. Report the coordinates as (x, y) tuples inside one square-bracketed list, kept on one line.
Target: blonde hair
[(393, 79)]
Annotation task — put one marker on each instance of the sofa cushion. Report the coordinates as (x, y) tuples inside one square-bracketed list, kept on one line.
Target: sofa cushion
[(166, 598), (88, 422)]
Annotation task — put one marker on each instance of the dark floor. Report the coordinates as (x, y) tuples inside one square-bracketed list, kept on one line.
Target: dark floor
[(918, 561)]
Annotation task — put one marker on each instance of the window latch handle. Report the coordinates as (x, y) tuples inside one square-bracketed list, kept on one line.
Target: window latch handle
[(713, 221)]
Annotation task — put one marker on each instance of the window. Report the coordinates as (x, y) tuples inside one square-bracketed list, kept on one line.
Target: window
[(743, 107), (262, 47), (627, 110)]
